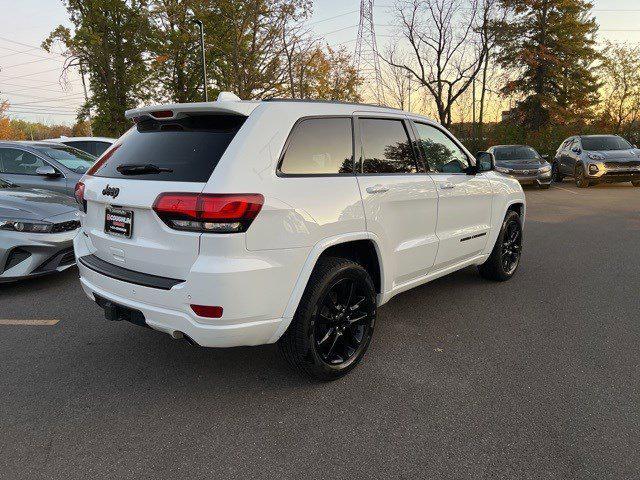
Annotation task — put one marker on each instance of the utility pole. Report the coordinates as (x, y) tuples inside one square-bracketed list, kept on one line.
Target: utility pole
[(86, 99), (204, 60)]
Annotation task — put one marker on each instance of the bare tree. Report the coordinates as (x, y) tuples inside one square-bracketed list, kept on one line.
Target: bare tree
[(447, 45)]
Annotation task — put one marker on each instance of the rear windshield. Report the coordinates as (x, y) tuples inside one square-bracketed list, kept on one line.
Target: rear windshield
[(507, 154), (182, 150), (609, 142), (72, 158)]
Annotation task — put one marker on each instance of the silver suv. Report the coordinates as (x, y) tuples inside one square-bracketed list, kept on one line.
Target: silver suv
[(593, 159)]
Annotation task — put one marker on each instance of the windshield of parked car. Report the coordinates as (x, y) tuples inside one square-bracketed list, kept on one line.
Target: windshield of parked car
[(72, 158), (516, 152), (605, 142)]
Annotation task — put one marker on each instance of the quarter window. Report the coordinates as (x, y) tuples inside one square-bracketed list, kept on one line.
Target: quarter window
[(320, 146), (441, 153), (387, 147), (15, 161)]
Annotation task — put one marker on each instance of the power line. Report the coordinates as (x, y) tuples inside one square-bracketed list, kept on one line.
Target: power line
[(31, 74), (30, 46), (4, 92), (32, 61), (334, 17)]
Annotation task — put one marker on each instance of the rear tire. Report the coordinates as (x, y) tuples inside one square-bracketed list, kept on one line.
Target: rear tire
[(333, 325), (581, 177), (505, 256)]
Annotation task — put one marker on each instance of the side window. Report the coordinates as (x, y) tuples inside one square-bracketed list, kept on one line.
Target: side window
[(441, 153), (13, 160), (387, 146), (84, 146), (99, 148), (320, 146)]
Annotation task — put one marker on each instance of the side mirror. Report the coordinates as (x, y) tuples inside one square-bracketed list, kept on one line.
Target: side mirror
[(485, 162), (576, 150), (47, 171)]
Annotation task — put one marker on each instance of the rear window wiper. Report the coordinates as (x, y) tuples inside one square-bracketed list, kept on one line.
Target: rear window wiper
[(141, 169)]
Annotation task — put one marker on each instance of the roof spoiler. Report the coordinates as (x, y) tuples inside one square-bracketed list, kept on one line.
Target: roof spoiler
[(227, 103)]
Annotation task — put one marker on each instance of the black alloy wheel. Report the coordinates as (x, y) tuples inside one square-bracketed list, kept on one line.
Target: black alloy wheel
[(507, 251), (511, 246), (343, 322), (333, 325)]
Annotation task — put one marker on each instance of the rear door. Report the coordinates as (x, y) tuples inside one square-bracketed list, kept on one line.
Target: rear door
[(464, 201), (399, 197), (121, 189)]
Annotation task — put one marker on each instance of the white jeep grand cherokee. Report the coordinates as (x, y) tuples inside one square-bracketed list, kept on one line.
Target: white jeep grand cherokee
[(245, 222)]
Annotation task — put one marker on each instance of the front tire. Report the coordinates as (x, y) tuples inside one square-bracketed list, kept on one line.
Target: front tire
[(581, 177), (333, 325), (505, 256), (556, 176)]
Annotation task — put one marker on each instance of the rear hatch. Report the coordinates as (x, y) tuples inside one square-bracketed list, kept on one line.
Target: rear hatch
[(157, 155)]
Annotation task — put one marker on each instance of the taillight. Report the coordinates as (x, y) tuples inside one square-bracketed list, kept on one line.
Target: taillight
[(79, 194), (204, 212), (209, 311)]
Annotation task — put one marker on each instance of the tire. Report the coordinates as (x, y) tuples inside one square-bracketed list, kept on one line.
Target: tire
[(636, 184), (325, 341), (580, 177), (494, 268), (556, 175), (544, 186)]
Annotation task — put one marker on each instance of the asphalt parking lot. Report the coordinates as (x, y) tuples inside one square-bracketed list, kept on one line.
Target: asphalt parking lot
[(534, 378)]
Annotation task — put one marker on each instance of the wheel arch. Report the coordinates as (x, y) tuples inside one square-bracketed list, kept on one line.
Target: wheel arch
[(362, 247)]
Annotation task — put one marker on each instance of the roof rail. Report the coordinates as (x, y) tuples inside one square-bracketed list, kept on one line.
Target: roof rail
[(311, 100)]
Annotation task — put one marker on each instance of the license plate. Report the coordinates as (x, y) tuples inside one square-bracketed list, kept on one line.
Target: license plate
[(118, 221)]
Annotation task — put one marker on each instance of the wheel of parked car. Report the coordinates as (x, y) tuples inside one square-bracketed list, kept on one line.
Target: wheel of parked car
[(636, 184), (505, 256), (556, 175), (333, 325), (580, 177)]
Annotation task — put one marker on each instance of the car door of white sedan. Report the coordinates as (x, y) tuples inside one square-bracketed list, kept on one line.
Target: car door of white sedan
[(399, 198), (464, 201)]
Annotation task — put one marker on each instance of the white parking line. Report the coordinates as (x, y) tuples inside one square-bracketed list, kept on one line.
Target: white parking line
[(28, 322), (567, 190)]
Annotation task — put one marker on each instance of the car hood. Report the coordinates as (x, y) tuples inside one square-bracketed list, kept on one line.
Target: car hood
[(526, 164), (618, 155), (33, 204)]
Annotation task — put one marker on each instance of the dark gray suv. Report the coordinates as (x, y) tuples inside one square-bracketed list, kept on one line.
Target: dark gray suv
[(46, 165), (593, 159), (523, 163)]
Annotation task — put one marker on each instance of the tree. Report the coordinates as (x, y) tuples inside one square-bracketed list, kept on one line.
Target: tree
[(620, 70), (318, 73), (110, 39), (176, 52), (448, 45), (549, 47), (245, 41)]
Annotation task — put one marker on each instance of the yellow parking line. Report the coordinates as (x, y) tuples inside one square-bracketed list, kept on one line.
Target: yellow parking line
[(28, 322)]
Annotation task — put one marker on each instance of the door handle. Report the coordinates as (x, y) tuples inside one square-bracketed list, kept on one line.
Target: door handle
[(377, 188), (447, 186)]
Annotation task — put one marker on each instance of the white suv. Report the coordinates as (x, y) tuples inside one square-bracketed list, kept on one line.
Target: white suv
[(244, 222)]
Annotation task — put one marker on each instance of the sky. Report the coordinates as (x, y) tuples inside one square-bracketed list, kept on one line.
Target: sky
[(30, 77)]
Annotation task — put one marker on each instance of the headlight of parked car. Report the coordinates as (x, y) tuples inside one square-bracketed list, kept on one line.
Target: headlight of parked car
[(595, 156), (25, 226), (502, 170), (545, 169)]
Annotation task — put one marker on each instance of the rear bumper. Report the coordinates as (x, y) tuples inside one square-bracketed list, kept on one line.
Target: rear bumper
[(253, 292)]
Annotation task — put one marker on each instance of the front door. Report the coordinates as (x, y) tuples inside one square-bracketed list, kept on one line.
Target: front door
[(19, 167), (399, 197), (464, 201)]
